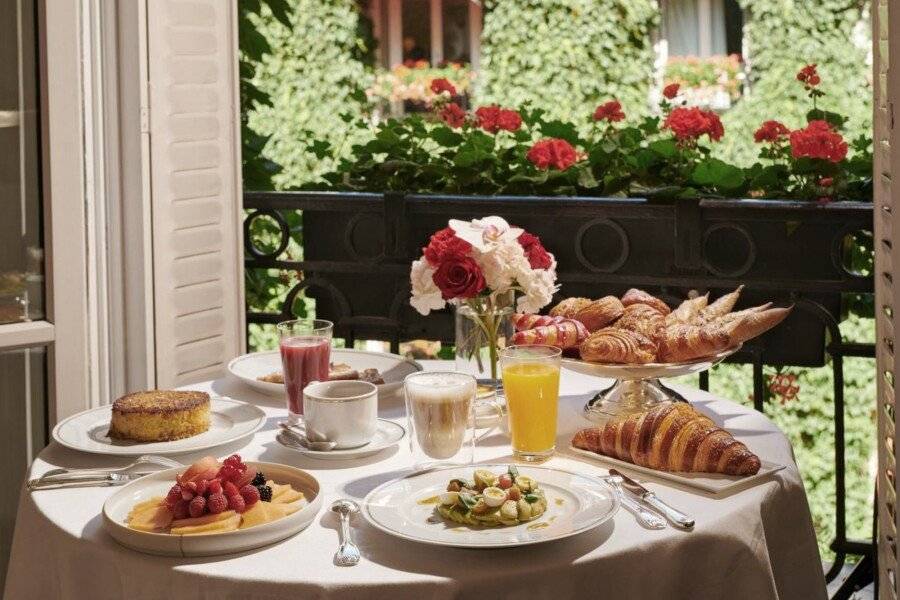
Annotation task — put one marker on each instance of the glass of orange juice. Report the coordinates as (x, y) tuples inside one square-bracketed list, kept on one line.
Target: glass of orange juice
[(531, 386)]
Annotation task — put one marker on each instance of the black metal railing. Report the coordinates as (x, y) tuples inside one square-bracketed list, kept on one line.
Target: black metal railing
[(358, 247)]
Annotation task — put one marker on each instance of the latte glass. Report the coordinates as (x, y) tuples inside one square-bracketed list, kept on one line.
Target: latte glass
[(440, 406)]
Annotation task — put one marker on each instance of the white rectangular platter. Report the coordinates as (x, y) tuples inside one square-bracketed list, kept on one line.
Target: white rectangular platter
[(712, 483)]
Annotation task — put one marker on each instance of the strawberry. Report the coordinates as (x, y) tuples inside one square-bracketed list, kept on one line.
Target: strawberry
[(197, 506), (217, 503), (174, 495), (237, 504), (250, 495), (181, 510)]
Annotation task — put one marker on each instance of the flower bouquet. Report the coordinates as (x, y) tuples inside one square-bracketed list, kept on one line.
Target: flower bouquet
[(480, 266)]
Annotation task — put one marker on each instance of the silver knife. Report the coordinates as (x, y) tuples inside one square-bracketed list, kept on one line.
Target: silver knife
[(66, 480), (672, 514)]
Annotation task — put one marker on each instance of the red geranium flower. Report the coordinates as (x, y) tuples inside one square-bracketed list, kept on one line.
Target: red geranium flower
[(610, 111), (509, 119), (538, 257), (493, 118), (453, 115), (809, 76), (770, 131), (826, 181), (818, 140), (691, 123), (552, 152), (443, 244), (671, 90), (442, 85), (459, 277)]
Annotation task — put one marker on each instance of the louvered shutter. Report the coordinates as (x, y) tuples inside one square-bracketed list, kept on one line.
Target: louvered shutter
[(887, 279), (194, 175)]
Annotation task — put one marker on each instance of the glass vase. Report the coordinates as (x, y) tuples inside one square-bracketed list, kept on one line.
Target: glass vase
[(483, 326)]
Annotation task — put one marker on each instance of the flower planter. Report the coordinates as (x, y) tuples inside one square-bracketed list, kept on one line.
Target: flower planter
[(358, 248)]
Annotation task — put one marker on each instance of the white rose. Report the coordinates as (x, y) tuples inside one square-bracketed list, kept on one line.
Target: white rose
[(538, 286), (502, 265), (426, 296)]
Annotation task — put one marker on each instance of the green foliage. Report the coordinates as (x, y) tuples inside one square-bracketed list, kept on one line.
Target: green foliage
[(567, 56), (318, 68), (781, 33)]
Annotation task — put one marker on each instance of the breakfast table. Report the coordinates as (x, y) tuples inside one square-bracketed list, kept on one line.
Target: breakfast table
[(756, 543)]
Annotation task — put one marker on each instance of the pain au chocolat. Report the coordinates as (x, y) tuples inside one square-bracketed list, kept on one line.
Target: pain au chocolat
[(159, 415)]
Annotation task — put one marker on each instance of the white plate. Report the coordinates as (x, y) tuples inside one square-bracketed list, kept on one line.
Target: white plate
[(575, 504), (387, 434), (713, 483), (116, 507), (230, 420), (393, 368), (649, 370)]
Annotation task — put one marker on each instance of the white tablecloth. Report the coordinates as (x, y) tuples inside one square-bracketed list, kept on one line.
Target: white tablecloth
[(756, 544)]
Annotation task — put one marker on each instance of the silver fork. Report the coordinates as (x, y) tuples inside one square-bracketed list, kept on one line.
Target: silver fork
[(347, 554), (144, 459)]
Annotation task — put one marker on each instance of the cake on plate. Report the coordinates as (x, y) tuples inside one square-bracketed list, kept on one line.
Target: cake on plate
[(159, 416)]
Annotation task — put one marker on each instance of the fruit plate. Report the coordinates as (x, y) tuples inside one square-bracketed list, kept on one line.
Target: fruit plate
[(713, 483), (117, 506), (393, 368), (404, 508), (649, 370), (230, 420)]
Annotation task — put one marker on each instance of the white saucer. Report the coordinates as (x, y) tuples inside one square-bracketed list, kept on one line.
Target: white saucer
[(387, 434)]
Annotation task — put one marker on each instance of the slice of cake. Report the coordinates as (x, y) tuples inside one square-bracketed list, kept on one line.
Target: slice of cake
[(159, 416)]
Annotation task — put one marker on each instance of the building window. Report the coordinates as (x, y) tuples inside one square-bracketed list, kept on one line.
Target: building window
[(702, 27)]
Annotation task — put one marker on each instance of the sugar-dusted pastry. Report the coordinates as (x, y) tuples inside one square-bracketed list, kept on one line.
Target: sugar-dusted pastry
[(688, 311), (600, 313), (636, 296), (159, 415), (643, 319), (671, 436), (341, 372), (756, 324), (524, 321), (722, 305), (737, 316), (613, 345), (564, 335), (273, 377), (568, 307), (683, 342)]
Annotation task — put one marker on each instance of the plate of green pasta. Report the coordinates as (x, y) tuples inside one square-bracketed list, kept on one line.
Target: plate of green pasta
[(489, 506)]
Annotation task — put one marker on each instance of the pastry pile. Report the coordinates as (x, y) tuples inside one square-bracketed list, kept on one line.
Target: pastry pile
[(639, 328)]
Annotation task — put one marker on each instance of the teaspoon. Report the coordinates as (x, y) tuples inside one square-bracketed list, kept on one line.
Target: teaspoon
[(347, 553)]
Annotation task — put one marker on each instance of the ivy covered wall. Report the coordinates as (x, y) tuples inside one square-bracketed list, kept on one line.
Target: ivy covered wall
[(566, 56)]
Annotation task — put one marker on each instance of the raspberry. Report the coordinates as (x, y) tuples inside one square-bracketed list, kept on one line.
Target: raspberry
[(236, 502), (202, 486), (181, 510), (265, 492), (250, 495), (229, 489), (197, 506), (233, 459), (260, 479), (186, 494), (217, 503), (174, 496), (215, 486), (191, 485)]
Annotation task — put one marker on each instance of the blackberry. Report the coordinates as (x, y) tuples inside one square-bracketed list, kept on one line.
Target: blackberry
[(259, 480), (265, 492)]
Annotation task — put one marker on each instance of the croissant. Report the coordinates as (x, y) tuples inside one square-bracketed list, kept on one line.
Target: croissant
[(682, 342), (567, 334), (722, 306), (600, 313), (688, 311), (643, 319), (757, 323), (568, 307), (671, 436), (612, 345), (523, 321), (636, 296)]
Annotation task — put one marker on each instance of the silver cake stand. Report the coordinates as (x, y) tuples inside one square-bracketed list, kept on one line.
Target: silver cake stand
[(637, 387)]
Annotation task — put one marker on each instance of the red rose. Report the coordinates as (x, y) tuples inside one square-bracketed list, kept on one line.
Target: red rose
[(442, 85), (486, 118), (552, 152), (453, 115), (691, 123), (809, 76), (770, 131), (818, 140), (826, 181), (538, 257), (443, 244), (459, 277), (671, 90), (610, 111), (509, 119)]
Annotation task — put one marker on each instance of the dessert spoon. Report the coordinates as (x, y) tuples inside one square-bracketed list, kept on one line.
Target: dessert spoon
[(347, 553), (301, 438)]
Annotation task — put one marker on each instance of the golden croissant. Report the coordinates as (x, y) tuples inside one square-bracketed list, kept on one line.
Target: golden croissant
[(688, 311), (643, 319), (600, 313), (636, 296), (671, 436), (612, 345), (568, 307), (682, 342)]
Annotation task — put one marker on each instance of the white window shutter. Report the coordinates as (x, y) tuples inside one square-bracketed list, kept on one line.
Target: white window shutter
[(192, 106)]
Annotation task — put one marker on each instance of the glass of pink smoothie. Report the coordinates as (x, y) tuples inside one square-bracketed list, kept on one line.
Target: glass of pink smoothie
[(305, 356)]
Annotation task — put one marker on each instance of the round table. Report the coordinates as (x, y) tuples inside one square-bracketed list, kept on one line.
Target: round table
[(757, 543)]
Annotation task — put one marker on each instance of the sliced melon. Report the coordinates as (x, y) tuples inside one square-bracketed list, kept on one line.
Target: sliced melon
[(205, 519), (288, 496), (221, 526), (256, 515), (152, 502), (286, 508), (153, 518), (278, 489)]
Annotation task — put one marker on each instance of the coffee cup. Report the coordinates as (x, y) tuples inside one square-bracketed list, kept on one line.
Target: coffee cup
[(343, 412)]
